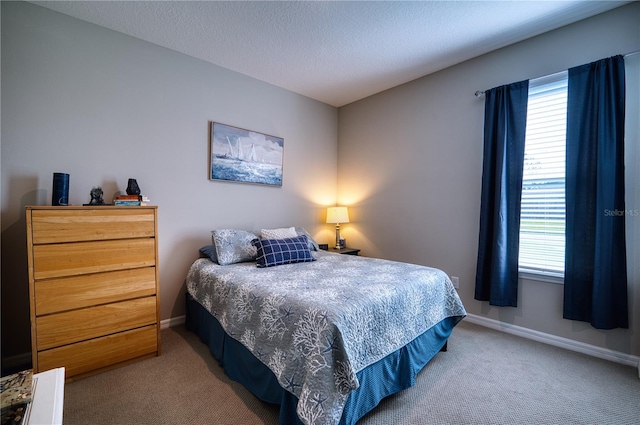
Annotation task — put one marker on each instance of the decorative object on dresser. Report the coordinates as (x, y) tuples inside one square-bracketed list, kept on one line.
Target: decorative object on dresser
[(93, 287), (130, 200), (60, 192), (127, 200), (96, 196), (132, 187), (245, 156), (337, 215)]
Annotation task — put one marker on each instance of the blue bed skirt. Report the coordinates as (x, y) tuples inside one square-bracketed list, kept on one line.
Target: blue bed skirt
[(388, 376)]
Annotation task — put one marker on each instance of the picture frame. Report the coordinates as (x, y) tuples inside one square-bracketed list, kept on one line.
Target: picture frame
[(246, 156)]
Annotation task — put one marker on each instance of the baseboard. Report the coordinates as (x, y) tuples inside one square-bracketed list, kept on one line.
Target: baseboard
[(174, 321), (557, 341)]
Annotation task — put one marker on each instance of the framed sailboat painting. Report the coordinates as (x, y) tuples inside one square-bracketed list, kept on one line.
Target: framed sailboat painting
[(246, 156)]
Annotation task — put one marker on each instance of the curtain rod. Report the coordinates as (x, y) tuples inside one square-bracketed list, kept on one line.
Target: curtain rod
[(480, 93)]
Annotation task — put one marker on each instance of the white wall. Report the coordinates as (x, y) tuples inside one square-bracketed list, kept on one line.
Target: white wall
[(410, 167), (104, 107)]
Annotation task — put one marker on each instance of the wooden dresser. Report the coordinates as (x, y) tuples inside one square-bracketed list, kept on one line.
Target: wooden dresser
[(93, 287)]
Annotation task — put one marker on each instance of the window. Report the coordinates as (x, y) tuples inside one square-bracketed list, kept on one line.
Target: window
[(542, 219)]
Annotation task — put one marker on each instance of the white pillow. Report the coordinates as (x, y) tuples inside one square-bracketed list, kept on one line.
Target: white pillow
[(280, 233)]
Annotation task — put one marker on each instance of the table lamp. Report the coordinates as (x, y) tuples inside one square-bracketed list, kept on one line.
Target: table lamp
[(337, 215)]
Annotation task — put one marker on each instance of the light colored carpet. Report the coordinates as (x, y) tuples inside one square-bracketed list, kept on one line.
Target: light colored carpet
[(486, 377)]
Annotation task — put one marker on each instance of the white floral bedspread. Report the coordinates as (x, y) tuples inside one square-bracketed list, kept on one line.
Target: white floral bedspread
[(316, 324)]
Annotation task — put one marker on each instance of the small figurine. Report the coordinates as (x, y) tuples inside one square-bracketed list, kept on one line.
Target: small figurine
[(96, 196), (133, 188)]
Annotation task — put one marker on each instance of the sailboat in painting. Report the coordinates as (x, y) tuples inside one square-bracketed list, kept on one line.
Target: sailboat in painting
[(240, 152)]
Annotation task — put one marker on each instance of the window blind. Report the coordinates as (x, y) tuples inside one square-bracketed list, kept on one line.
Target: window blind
[(542, 219)]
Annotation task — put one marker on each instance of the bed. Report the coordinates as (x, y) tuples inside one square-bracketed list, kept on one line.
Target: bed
[(325, 336)]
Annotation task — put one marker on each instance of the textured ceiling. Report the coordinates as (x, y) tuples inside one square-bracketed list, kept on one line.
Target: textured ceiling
[(334, 51)]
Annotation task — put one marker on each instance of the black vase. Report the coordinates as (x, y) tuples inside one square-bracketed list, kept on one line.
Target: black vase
[(60, 193), (132, 187)]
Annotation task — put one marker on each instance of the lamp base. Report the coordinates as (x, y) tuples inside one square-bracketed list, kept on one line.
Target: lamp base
[(337, 236)]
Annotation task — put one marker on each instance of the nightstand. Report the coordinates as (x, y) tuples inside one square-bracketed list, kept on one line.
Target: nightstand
[(346, 251)]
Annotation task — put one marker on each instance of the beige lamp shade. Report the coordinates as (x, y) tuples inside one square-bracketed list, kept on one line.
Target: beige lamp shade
[(337, 215)]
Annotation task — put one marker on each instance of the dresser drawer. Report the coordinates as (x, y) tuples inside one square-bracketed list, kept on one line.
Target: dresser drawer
[(70, 293), (73, 225), (78, 325), (101, 352), (71, 259)]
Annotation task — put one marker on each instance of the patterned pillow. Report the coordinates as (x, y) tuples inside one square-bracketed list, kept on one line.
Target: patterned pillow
[(281, 233), (233, 246), (274, 252)]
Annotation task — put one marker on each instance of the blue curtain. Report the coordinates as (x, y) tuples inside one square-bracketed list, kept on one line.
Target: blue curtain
[(505, 119), (595, 282)]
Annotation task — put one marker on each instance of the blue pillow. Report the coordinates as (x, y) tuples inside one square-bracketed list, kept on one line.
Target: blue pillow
[(209, 251), (274, 252)]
